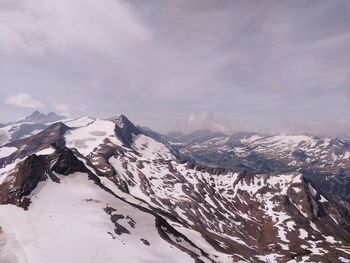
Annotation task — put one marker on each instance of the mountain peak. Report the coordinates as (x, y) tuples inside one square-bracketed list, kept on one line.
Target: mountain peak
[(121, 120), (42, 118), (260, 207), (35, 113), (124, 129)]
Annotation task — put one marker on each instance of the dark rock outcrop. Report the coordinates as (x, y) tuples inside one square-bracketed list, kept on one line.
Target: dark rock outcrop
[(27, 174), (125, 129), (65, 162), (26, 129), (52, 136), (23, 180)]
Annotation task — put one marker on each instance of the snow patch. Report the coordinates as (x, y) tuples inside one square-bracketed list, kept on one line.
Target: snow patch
[(46, 151), (150, 148), (79, 122), (303, 234), (270, 258), (7, 151), (87, 138), (76, 206)]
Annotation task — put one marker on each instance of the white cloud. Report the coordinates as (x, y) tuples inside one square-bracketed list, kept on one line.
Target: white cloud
[(42, 27), (206, 120), (61, 107), (24, 100), (248, 65)]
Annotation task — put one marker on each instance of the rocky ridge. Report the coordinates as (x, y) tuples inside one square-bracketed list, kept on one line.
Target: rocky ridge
[(209, 214)]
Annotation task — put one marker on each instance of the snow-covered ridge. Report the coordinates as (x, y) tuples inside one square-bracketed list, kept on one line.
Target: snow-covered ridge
[(76, 206), (90, 135), (78, 122), (107, 183), (35, 123), (284, 152)]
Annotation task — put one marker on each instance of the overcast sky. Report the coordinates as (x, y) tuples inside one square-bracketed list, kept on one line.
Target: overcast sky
[(180, 64)]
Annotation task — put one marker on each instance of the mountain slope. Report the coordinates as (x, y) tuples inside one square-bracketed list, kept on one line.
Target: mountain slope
[(103, 188), (65, 200), (220, 206), (325, 161), (35, 123), (289, 151), (38, 117)]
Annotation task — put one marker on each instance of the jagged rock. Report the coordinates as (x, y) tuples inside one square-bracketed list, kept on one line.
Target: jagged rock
[(124, 129), (244, 214), (65, 162), (23, 180), (52, 136), (40, 118)]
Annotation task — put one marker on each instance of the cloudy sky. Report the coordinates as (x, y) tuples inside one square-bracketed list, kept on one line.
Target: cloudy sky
[(180, 65)]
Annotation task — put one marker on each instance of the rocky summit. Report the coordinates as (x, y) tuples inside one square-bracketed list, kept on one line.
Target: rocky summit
[(105, 190)]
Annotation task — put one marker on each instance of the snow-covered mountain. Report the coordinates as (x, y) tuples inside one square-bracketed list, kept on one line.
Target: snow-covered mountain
[(93, 190), (38, 117), (324, 160), (267, 153), (33, 124), (26, 126)]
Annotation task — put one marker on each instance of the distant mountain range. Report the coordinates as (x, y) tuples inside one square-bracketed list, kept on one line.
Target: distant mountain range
[(319, 158), (26, 126), (266, 153), (94, 190)]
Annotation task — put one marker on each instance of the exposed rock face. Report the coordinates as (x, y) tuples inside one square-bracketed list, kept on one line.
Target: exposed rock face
[(52, 136), (261, 214), (125, 129), (244, 215), (26, 129), (18, 186), (65, 162), (23, 180), (28, 173), (325, 161), (168, 233), (287, 152), (337, 184)]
